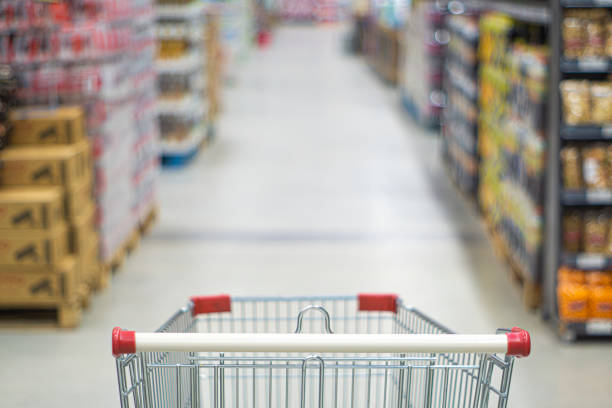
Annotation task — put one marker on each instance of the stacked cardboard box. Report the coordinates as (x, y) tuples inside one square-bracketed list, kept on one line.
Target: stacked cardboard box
[(49, 244)]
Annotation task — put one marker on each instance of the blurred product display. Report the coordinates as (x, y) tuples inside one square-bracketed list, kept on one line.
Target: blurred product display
[(512, 132), (182, 82), (580, 165), (460, 116), (87, 88), (534, 158), (423, 49)]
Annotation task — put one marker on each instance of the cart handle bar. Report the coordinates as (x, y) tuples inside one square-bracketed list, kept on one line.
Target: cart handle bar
[(514, 343)]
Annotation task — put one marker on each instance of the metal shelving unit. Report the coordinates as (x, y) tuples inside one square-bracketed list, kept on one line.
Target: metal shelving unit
[(557, 197)]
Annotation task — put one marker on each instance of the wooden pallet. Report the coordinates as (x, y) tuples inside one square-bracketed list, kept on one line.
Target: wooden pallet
[(148, 221), (62, 315), (530, 291), (117, 260)]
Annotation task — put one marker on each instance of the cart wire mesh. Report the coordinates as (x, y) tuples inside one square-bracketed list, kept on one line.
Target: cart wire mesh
[(290, 380)]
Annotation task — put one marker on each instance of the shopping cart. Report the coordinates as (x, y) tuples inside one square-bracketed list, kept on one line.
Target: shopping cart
[(342, 351)]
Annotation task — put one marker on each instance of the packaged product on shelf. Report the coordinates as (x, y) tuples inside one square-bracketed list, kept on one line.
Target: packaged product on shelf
[(571, 167), (609, 38), (573, 297), (584, 32), (575, 97), (601, 102), (600, 302), (595, 166), (574, 38), (595, 231), (572, 231)]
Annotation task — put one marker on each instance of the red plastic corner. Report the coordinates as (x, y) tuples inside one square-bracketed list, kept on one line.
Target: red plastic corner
[(124, 341), (519, 342), (377, 302), (211, 304)]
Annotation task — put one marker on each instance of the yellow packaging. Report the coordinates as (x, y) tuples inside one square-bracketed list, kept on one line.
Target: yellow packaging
[(63, 125), (31, 207), (44, 165), (41, 286), (33, 247)]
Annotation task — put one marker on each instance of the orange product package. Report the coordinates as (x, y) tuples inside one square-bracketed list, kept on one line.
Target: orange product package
[(573, 300), (600, 304)]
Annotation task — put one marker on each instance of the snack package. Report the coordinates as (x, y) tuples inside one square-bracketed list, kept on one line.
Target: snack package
[(573, 300), (574, 36), (595, 231), (572, 231), (575, 97), (595, 166), (595, 38), (609, 38), (601, 102), (571, 166)]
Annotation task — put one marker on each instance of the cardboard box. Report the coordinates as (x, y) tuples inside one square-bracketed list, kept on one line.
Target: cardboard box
[(83, 230), (89, 262), (41, 286), (44, 165), (31, 207), (62, 125), (78, 198), (33, 247)]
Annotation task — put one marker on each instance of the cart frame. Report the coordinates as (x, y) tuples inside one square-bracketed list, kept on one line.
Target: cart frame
[(249, 357)]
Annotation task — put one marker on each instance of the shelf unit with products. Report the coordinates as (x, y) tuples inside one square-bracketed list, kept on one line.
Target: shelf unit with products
[(460, 116), (577, 295), (182, 82)]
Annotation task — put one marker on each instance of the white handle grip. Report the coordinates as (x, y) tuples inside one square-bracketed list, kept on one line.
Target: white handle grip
[(515, 343)]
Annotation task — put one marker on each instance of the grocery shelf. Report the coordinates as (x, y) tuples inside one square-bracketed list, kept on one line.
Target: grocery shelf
[(538, 13), (172, 31), (590, 328), (587, 262), (586, 65), (183, 65), (584, 198), (578, 133), (586, 3), (185, 148), (191, 10), (188, 104)]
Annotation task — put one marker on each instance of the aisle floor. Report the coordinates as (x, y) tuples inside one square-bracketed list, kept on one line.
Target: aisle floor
[(317, 184)]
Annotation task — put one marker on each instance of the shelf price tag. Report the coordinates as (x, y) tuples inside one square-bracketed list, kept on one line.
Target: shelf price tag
[(599, 327), (603, 2), (593, 64), (606, 131), (598, 197), (590, 261)]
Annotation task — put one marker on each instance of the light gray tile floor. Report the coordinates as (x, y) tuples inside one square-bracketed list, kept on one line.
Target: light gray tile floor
[(317, 185)]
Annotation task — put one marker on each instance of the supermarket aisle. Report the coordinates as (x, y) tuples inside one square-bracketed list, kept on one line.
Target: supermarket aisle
[(317, 185)]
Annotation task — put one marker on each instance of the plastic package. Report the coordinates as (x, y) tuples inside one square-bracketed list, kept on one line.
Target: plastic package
[(575, 96), (601, 102), (595, 232), (595, 166), (572, 231), (571, 166)]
